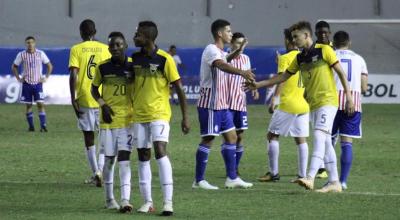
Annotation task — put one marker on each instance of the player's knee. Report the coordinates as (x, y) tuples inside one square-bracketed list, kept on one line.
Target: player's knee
[(89, 138), (160, 149), (144, 154), (109, 160), (272, 136), (123, 155), (300, 140), (239, 137), (207, 140)]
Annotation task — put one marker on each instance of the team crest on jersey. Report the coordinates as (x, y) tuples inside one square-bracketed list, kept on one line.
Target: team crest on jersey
[(314, 58), (153, 68)]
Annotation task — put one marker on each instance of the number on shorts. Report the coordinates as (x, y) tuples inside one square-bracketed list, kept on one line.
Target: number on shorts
[(244, 120), (130, 137), (91, 64), (323, 118), (119, 90)]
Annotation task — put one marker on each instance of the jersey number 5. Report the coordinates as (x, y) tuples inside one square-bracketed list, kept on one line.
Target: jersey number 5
[(91, 64)]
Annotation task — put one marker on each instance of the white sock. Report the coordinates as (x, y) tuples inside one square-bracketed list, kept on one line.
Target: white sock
[(330, 160), (108, 176), (165, 173), (125, 179), (91, 156), (273, 155), (100, 162), (317, 157), (145, 180), (302, 159)]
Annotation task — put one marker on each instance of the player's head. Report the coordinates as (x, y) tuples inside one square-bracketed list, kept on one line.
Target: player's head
[(117, 44), (301, 33), (87, 29), (172, 50), (146, 33), (30, 43), (237, 40), (322, 32), (289, 44), (341, 39), (221, 29)]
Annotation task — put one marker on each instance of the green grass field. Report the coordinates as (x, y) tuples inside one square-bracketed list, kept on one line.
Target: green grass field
[(42, 174)]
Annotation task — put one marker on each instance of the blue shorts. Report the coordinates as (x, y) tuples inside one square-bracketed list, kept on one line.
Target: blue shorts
[(239, 119), (349, 126), (32, 93), (214, 122)]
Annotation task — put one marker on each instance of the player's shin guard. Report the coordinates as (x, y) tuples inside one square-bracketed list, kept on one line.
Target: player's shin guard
[(91, 156), (239, 154), (108, 177), (201, 161), (317, 157), (42, 119), (346, 160), (273, 155), (125, 179), (29, 119), (302, 159), (145, 180), (330, 160), (228, 152), (166, 181)]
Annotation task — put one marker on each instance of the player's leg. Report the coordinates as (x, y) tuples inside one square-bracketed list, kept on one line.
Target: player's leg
[(29, 117), (239, 149), (100, 161), (141, 133), (107, 141), (27, 98), (240, 122), (273, 158), (38, 97), (124, 142), (300, 130)]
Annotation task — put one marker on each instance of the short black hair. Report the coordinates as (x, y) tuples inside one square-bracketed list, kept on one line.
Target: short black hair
[(322, 24), (288, 34), (217, 25), (151, 29), (237, 35), (172, 47), (30, 38), (116, 34), (87, 28), (301, 25), (341, 39)]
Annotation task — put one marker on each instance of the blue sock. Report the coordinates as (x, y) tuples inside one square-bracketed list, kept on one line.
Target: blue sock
[(346, 159), (29, 118), (239, 153), (42, 118), (201, 161), (228, 152)]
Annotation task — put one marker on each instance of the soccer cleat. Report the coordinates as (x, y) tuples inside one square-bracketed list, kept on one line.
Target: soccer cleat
[(112, 204), (167, 209), (296, 180), (268, 177), (344, 185), (204, 185), (125, 206), (43, 129), (307, 182), (237, 183), (147, 208), (322, 174), (98, 179), (31, 129), (331, 187)]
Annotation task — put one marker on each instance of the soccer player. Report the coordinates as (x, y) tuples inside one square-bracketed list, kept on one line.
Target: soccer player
[(213, 108), (290, 117), (315, 63), (154, 70), (237, 97), (32, 80), (348, 127), (83, 60), (114, 75)]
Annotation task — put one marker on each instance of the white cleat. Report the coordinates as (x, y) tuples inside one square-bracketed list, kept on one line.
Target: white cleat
[(112, 204), (204, 185), (344, 186), (146, 208), (331, 187), (98, 179), (306, 182), (167, 209), (125, 207), (237, 183)]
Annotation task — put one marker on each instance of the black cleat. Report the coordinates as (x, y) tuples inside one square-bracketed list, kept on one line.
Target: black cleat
[(43, 129), (31, 129), (268, 177)]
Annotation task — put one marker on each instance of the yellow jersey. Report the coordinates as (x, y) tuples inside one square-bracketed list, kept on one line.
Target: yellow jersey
[(316, 73), (116, 89), (292, 93), (153, 74), (85, 56)]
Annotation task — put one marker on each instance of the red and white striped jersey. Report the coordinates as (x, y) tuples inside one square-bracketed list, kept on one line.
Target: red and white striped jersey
[(354, 66), (32, 65), (237, 97), (214, 91)]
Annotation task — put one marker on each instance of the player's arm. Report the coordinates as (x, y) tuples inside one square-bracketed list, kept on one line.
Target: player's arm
[(364, 83), (349, 99), (14, 69), (106, 110), (266, 83), (226, 67), (277, 92), (183, 104), (73, 73), (237, 52), (49, 71)]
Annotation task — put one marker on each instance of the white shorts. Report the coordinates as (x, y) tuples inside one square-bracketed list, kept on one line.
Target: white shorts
[(146, 133), (322, 118), (114, 140), (287, 124), (89, 120)]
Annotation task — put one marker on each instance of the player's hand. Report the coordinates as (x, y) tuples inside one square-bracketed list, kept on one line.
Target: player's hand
[(107, 113), (21, 79), (250, 85), (272, 106), (255, 94), (43, 79), (248, 75), (75, 105), (243, 44), (349, 108), (185, 126)]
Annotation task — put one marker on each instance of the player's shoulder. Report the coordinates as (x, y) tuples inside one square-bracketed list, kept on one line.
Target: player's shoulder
[(245, 56), (323, 47), (104, 62), (163, 53)]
